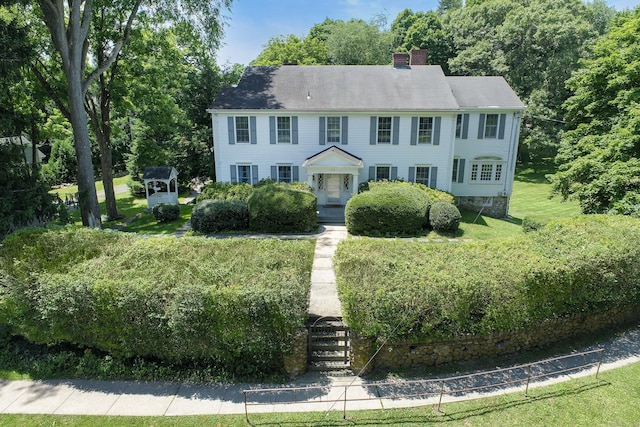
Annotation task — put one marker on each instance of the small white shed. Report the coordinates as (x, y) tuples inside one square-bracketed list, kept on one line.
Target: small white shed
[(160, 184)]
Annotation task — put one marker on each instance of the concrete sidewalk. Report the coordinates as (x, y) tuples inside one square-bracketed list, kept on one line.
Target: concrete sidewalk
[(86, 397)]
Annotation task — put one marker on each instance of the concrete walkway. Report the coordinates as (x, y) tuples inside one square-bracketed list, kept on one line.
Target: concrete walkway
[(323, 296), (87, 397)]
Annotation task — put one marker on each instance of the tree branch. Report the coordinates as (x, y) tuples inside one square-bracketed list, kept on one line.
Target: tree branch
[(51, 91), (115, 51)]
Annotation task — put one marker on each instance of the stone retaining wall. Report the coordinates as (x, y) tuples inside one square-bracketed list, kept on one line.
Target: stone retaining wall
[(404, 355), (498, 207)]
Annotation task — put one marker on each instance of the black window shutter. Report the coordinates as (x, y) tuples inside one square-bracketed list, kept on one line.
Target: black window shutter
[(345, 130), (461, 170), (233, 174), (254, 174), (295, 173), (465, 126), (373, 137), (372, 173), (394, 173), (294, 130), (414, 130), (436, 131), (396, 130), (272, 129), (503, 119), (252, 124), (433, 178), (412, 173), (274, 173)]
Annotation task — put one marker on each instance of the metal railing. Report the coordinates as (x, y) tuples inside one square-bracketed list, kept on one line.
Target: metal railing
[(460, 387)]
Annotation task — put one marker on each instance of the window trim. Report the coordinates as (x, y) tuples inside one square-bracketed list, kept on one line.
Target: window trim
[(430, 131), (338, 119), (290, 166), (428, 181), (494, 127), (378, 130), (288, 130), (478, 168), (238, 174), (248, 130)]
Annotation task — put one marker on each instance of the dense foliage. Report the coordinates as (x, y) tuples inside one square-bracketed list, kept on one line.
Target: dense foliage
[(165, 212), (444, 217), (277, 208), (388, 208), (214, 215), (234, 303), (423, 290), (599, 158), (225, 191), (24, 197)]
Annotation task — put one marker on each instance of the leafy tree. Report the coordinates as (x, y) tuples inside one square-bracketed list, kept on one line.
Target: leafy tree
[(535, 46), (70, 25), (599, 157), (427, 32), (446, 5), (291, 49), (356, 42)]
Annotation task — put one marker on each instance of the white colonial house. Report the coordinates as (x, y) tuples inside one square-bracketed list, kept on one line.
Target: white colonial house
[(337, 126)]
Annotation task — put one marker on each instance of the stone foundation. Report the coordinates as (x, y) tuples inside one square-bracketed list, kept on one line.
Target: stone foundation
[(406, 355), (295, 363), (497, 207)]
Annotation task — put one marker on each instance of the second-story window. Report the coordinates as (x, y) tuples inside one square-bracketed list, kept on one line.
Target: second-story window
[(333, 130), (284, 129), (425, 130), (242, 129), (491, 126), (384, 130)]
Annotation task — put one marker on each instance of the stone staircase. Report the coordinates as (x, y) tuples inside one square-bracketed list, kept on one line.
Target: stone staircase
[(329, 346)]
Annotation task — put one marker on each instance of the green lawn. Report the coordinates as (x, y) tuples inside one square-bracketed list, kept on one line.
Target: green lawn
[(612, 399), (73, 189), (531, 197), (145, 223)]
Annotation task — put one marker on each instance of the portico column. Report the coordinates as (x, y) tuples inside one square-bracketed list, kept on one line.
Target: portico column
[(354, 183), (310, 180)]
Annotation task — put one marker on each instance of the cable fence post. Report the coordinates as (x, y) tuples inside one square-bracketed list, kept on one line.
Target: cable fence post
[(526, 390), (599, 362), (344, 408), (441, 393), (246, 411)]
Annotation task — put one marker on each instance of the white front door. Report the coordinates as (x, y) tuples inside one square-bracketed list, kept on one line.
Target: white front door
[(333, 189)]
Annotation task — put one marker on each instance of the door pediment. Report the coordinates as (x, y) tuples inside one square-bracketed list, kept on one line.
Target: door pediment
[(333, 157)]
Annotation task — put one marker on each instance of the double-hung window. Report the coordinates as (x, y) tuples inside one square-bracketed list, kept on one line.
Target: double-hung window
[(491, 126), (242, 129), (283, 129), (284, 173), (383, 173), (384, 130), (333, 130), (425, 130), (244, 173), (423, 175)]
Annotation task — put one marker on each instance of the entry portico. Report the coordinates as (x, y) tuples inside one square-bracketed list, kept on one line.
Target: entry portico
[(333, 175)]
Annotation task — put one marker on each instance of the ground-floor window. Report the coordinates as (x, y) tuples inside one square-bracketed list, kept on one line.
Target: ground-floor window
[(423, 174), (383, 173), (486, 172), (284, 173), (244, 173)]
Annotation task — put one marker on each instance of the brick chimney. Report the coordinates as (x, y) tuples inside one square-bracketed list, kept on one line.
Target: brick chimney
[(418, 57), (400, 60)]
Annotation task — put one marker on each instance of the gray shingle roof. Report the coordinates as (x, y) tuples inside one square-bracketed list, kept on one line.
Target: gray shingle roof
[(158, 172), (486, 91), (339, 88)]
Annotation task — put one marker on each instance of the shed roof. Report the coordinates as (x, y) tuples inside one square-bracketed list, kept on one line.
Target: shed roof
[(483, 91)]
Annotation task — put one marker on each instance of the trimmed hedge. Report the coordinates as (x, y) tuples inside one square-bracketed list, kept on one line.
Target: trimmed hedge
[(390, 208), (434, 194), (276, 208), (444, 217), (233, 303), (166, 212), (532, 223), (225, 191), (434, 291), (211, 216)]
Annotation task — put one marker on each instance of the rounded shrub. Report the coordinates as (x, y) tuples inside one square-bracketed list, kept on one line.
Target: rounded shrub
[(166, 212), (213, 215), (275, 208), (394, 208), (444, 217)]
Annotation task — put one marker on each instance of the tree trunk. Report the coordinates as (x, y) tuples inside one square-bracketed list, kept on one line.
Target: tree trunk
[(89, 208)]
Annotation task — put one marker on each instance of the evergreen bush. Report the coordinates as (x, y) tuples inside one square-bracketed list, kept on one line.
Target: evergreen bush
[(226, 191), (166, 212), (391, 208), (276, 208), (444, 217), (211, 216)]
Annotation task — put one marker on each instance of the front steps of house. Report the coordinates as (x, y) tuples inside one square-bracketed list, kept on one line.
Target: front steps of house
[(329, 346)]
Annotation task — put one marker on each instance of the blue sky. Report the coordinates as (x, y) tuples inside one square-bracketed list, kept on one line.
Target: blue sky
[(251, 23)]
